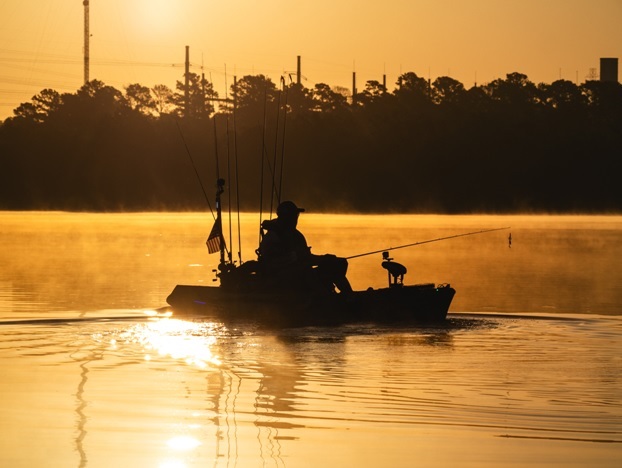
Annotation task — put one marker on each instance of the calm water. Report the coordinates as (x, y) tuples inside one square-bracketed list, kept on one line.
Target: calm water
[(526, 372)]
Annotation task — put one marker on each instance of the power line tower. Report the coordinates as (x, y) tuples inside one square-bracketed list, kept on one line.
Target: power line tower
[(592, 75), (86, 40), (187, 84)]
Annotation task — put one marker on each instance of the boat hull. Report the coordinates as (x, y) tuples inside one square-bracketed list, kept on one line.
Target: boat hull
[(416, 303)]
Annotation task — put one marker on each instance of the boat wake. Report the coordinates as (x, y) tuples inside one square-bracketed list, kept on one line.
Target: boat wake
[(131, 317)]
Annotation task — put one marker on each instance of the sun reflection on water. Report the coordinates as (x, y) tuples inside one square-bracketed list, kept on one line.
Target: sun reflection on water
[(183, 443), (172, 464), (169, 342), (189, 342)]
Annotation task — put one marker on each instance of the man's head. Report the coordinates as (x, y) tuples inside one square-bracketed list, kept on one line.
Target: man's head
[(288, 211)]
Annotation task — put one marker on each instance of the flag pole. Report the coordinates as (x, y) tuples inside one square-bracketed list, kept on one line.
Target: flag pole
[(220, 184), (216, 241)]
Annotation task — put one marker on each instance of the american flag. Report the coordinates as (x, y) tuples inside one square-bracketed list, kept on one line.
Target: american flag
[(215, 237)]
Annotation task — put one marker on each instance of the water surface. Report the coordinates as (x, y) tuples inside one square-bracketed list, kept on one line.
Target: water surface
[(526, 371)]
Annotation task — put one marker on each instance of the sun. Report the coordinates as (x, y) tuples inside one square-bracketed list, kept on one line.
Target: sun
[(155, 17)]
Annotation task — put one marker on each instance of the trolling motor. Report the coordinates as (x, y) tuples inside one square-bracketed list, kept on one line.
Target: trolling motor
[(396, 271)]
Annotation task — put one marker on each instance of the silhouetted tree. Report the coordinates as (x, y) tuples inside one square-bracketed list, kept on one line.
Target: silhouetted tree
[(516, 90), (28, 111), (446, 90), (162, 99), (507, 145), (256, 98), (200, 93), (48, 101), (411, 89), (253, 91), (140, 99), (563, 95), (374, 90), (327, 100), (299, 99), (94, 98), (476, 100), (42, 105), (603, 95)]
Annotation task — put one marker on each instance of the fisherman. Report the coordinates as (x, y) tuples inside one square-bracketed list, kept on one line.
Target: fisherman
[(284, 253)]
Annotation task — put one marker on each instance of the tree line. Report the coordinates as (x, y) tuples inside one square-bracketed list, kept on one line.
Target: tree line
[(425, 146)]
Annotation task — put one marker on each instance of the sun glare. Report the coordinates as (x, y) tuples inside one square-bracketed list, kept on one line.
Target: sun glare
[(183, 443), (185, 341), (155, 17)]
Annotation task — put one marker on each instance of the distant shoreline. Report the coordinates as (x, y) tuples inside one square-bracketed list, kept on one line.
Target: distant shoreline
[(508, 147), (334, 213)]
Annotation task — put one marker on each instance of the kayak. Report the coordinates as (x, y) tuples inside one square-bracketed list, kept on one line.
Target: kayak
[(422, 303)]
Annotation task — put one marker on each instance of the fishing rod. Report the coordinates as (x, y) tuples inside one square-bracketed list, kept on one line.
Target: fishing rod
[(216, 148), (273, 191), (263, 157), (426, 242), (219, 191), (195, 169), (229, 193), (237, 172), (237, 194), (265, 161)]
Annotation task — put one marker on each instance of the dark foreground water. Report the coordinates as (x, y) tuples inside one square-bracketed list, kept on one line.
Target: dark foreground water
[(527, 370)]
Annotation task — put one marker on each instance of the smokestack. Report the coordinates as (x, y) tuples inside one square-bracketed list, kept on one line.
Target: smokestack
[(298, 71), (609, 69), (353, 87)]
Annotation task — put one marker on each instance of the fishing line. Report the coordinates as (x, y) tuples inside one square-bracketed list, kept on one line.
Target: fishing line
[(426, 242), (283, 139), (195, 169)]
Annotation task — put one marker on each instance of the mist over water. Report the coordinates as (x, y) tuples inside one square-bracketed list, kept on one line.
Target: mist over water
[(526, 370), (55, 262)]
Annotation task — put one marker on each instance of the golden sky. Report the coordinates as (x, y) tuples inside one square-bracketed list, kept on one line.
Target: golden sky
[(143, 41)]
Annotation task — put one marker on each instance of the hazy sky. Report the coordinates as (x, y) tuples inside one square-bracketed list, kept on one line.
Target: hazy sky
[(143, 41)]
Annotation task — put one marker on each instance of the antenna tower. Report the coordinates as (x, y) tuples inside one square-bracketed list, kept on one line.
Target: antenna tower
[(592, 75), (86, 41)]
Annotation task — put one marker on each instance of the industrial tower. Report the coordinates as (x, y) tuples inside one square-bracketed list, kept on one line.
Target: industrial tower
[(86, 41)]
